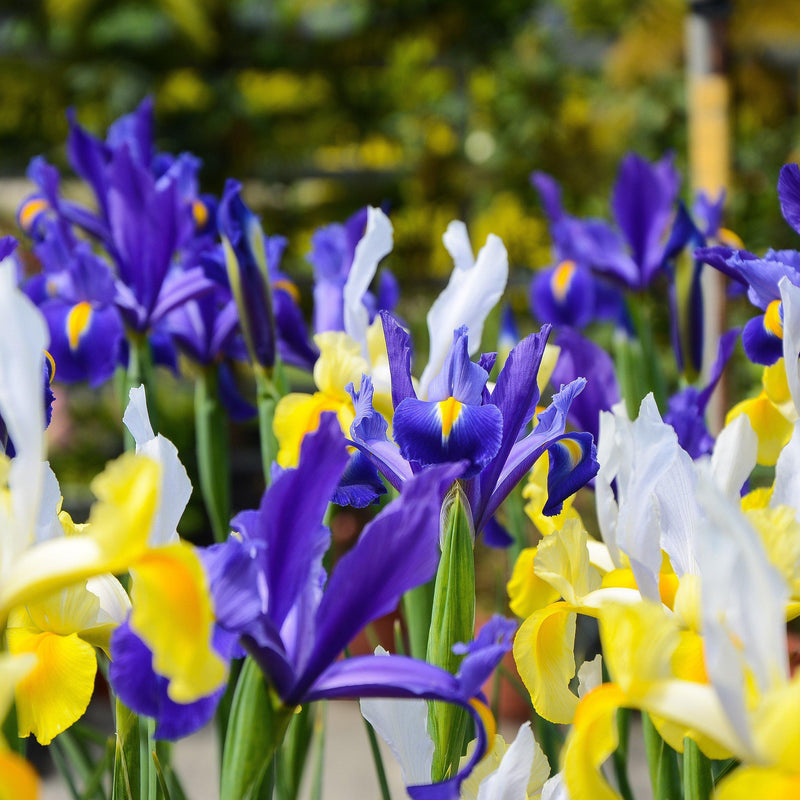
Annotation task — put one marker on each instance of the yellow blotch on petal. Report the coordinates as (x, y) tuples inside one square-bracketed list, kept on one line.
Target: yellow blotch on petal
[(543, 650), (288, 287), (775, 384), (200, 213), (18, 779), (592, 739), (78, 320), (765, 783), (548, 364), (487, 718), (448, 410), (771, 427), (173, 614), (527, 592), (29, 211), (561, 279), (56, 692), (772, 319)]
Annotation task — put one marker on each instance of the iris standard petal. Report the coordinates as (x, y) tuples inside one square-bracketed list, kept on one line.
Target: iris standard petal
[(789, 194)]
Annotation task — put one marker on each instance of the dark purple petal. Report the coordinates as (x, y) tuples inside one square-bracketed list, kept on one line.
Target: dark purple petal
[(291, 513), (237, 406), (88, 157), (573, 463), (549, 194), (642, 201), (143, 691), (495, 535), (459, 377), (397, 551), (492, 642), (789, 194), (549, 428), (580, 357), (85, 341), (179, 288), (446, 432), (293, 342), (135, 130), (388, 291), (401, 677), (563, 295), (761, 346), (708, 212), (360, 485), (515, 395), (398, 347)]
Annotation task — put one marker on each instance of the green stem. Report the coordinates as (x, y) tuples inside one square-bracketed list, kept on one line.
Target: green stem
[(266, 400), (378, 761), (650, 364), (620, 759), (213, 462), (698, 782), (661, 761), (139, 373), (452, 621), (417, 608), (126, 781)]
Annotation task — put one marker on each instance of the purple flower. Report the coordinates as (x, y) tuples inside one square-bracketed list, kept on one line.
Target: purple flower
[(493, 448)]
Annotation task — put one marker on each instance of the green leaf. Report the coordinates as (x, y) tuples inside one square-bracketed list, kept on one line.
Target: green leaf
[(256, 728), (452, 621), (125, 785)]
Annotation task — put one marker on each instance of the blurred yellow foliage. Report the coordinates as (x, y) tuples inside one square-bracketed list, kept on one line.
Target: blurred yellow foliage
[(375, 152), (184, 89), (525, 236), (281, 91)]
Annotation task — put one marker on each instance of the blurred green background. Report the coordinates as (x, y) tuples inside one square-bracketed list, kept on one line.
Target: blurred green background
[(441, 108)]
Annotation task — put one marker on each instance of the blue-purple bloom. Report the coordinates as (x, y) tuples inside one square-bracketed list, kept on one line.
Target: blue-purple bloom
[(333, 249), (271, 592), (494, 450), (762, 336), (270, 319), (686, 409)]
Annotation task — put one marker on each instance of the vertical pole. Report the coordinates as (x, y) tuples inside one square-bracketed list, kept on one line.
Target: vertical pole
[(709, 154)]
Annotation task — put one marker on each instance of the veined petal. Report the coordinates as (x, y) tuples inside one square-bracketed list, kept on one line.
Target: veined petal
[(527, 592), (173, 614), (376, 243), (56, 692), (766, 783), (403, 725), (470, 295), (562, 559), (449, 431), (543, 650), (340, 362), (116, 535), (592, 739)]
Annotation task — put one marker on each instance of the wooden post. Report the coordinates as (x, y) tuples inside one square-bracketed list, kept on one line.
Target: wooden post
[(709, 155)]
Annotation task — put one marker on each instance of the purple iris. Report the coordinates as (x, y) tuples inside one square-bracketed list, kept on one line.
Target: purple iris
[(148, 216), (271, 321), (333, 248), (271, 592), (762, 336), (484, 430), (75, 292), (570, 293), (687, 408)]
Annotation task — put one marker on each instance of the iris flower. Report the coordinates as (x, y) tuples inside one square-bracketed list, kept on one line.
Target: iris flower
[(762, 335), (463, 420), (271, 592)]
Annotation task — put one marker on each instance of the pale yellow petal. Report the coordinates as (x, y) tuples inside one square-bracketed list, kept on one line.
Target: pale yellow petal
[(340, 362), (592, 739), (562, 559), (527, 592), (763, 783), (543, 650), (57, 691), (771, 427)]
